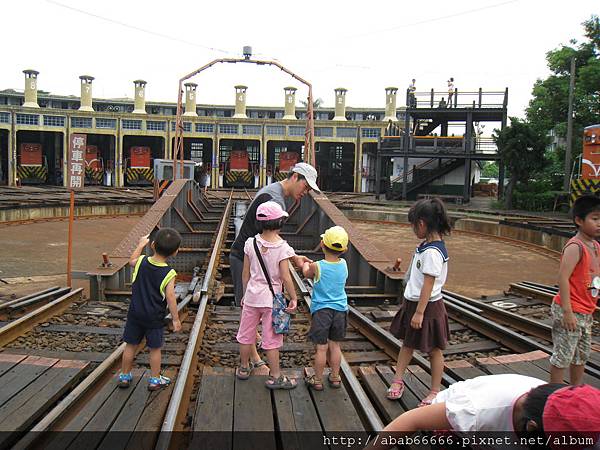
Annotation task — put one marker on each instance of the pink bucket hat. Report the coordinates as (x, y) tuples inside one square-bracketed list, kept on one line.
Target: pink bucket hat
[(270, 211)]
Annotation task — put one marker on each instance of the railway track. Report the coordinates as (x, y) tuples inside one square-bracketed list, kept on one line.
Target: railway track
[(88, 334), (206, 404), (44, 196), (12, 308)]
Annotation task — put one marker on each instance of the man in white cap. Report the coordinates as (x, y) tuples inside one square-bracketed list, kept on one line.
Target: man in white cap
[(301, 179)]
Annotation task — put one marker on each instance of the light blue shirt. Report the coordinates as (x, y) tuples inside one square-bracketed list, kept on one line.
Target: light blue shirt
[(329, 283)]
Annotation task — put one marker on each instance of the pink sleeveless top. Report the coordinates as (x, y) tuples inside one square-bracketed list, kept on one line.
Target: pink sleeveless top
[(580, 283)]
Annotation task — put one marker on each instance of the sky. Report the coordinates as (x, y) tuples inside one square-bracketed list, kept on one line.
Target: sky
[(361, 46)]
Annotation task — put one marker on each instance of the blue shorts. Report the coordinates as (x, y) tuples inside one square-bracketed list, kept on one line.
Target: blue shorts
[(135, 331)]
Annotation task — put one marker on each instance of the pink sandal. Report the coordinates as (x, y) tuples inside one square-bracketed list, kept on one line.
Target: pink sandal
[(429, 399), (395, 390)]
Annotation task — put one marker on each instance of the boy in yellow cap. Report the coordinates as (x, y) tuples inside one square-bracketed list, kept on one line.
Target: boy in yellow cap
[(329, 306)]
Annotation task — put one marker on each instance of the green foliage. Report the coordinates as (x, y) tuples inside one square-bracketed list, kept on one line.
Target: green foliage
[(490, 170), (548, 107), (531, 201), (497, 204), (521, 147), (316, 103)]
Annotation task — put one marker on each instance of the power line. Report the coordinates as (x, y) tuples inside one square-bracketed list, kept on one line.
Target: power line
[(136, 28), (433, 19)]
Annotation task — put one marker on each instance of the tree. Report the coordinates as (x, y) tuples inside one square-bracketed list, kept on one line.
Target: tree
[(548, 108), (521, 147), (490, 170), (316, 103)]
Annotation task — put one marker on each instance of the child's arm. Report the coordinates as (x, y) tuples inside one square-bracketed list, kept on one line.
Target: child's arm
[(432, 417), (309, 270), (172, 304), (299, 261), (245, 276), (138, 250), (569, 260), (417, 318), (286, 277)]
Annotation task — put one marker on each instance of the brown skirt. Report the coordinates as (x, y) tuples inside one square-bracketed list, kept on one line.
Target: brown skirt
[(434, 332)]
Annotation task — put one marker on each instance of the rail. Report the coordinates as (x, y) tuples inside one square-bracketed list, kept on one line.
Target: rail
[(364, 405), (468, 99), (409, 174), (43, 426), (459, 305), (16, 328), (67, 409), (184, 379)]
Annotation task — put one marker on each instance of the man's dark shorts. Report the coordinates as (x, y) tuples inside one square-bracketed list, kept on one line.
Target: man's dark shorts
[(135, 331), (328, 324)]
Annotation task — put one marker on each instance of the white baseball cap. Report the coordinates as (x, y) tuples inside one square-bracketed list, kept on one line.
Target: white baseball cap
[(309, 172)]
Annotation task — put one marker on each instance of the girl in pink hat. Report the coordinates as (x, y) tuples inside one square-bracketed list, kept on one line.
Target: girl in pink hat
[(257, 302)]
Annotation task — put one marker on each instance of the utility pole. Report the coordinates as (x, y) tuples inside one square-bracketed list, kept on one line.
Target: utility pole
[(569, 151)]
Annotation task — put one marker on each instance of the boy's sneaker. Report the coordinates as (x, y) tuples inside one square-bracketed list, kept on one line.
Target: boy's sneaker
[(156, 383), (125, 380)]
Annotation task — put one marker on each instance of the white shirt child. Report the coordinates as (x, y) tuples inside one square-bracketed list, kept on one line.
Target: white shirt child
[(485, 403), (430, 258)]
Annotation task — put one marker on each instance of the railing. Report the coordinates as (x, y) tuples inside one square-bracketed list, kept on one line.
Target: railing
[(486, 145), (475, 100), (419, 173), (409, 174), (455, 144)]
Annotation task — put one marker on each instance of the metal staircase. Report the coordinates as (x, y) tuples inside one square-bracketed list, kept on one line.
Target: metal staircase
[(421, 176)]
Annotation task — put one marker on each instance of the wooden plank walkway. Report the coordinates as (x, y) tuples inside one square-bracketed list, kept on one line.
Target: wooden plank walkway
[(534, 364), (229, 413), (114, 418), (29, 387)]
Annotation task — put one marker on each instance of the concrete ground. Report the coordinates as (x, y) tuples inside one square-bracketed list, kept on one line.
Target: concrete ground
[(477, 266), (34, 256)]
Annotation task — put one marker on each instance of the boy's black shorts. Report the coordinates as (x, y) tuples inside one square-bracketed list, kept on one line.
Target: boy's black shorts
[(328, 324), (135, 331)]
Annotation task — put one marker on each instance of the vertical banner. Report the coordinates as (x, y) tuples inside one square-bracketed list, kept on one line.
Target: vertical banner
[(76, 162), (75, 180)]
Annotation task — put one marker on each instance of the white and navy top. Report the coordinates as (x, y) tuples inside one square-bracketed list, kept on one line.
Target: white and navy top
[(430, 258), (148, 292)]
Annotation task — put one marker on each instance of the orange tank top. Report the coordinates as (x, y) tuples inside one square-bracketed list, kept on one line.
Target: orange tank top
[(580, 282)]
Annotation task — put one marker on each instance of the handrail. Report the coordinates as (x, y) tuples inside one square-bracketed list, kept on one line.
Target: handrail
[(476, 99), (410, 172)]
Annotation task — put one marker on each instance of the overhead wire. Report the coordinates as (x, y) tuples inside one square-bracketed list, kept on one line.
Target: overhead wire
[(136, 28)]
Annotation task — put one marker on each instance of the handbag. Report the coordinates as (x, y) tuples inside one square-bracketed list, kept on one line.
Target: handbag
[(280, 317)]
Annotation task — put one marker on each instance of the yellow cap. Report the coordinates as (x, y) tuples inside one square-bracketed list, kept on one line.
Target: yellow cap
[(336, 239)]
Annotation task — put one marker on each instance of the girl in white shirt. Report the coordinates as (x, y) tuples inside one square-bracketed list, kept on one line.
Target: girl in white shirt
[(422, 321), (493, 403)]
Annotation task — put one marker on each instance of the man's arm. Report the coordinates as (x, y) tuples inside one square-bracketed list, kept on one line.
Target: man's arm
[(569, 260), (249, 227), (138, 250), (172, 304)]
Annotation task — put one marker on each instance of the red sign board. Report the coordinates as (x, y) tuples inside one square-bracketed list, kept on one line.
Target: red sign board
[(76, 165)]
